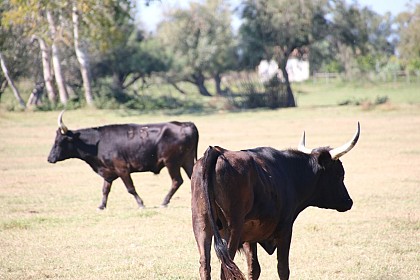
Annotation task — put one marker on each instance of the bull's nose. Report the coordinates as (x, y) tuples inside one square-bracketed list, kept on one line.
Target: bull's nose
[(51, 160)]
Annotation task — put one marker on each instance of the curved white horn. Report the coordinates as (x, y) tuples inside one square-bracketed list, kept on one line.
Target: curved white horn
[(61, 125), (301, 146), (342, 150)]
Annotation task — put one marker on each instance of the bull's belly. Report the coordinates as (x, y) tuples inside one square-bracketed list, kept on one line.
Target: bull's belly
[(257, 230)]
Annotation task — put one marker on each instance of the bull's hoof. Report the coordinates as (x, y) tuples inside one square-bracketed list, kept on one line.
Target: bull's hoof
[(164, 205), (101, 208)]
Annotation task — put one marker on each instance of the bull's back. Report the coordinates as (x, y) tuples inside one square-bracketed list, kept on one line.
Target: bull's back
[(245, 188), (178, 140), (147, 147), (234, 182)]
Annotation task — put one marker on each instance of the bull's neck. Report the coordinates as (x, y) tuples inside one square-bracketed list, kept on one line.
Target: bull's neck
[(306, 175), (87, 147)]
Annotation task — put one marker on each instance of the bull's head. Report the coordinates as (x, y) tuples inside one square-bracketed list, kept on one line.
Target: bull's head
[(63, 147), (331, 192)]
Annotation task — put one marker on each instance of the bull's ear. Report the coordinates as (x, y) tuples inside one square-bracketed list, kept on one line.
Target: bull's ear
[(324, 158), (73, 136)]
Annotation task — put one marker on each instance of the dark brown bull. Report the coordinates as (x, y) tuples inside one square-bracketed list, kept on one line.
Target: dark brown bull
[(116, 151), (254, 196)]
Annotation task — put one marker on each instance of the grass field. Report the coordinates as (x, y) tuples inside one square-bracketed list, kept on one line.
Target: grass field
[(50, 228)]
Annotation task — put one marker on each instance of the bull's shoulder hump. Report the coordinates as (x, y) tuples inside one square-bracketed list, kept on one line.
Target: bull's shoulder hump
[(263, 152)]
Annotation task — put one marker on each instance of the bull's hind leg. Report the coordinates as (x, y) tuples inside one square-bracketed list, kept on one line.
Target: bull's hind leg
[(254, 269), (105, 192), (202, 233), (175, 173), (128, 182)]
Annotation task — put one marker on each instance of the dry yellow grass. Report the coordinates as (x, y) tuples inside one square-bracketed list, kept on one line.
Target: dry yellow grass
[(50, 228)]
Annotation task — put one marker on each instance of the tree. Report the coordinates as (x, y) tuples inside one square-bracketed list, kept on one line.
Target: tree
[(273, 29), (46, 66), (200, 41), (37, 18), (358, 37), (56, 60), (409, 44), (136, 58)]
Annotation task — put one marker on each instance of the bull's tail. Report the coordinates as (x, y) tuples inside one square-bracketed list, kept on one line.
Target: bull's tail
[(196, 136), (229, 268)]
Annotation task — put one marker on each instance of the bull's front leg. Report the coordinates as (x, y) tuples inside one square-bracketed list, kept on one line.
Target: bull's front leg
[(128, 182), (105, 192), (283, 248)]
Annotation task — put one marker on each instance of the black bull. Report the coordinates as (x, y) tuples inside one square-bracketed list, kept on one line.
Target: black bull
[(116, 151), (247, 197)]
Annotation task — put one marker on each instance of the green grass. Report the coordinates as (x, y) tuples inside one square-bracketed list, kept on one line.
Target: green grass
[(50, 228), (335, 92)]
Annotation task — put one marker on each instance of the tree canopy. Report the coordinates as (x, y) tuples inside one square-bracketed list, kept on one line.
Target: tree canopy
[(409, 45), (273, 29), (200, 41)]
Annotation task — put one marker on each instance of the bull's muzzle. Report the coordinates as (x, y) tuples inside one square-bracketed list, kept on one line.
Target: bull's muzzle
[(52, 159), (345, 205)]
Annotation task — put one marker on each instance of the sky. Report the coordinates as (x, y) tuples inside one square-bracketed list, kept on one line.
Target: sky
[(152, 14)]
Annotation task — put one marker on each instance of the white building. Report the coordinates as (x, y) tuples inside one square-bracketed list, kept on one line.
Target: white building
[(298, 70)]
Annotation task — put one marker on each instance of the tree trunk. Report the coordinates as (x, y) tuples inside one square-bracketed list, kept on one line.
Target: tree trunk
[(117, 82), (82, 58), (199, 82), (3, 85), (218, 82), (36, 94), (290, 99), (118, 87), (10, 81), (59, 78), (46, 67)]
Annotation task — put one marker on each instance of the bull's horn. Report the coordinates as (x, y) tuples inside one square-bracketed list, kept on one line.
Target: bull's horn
[(61, 125), (302, 147), (342, 150)]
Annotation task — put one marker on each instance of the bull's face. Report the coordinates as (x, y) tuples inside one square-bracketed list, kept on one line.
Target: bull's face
[(63, 146), (331, 192)]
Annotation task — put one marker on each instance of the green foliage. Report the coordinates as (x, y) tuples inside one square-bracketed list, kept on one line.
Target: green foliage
[(106, 23), (135, 58), (152, 98), (359, 38), (414, 65), (333, 67), (366, 63)]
